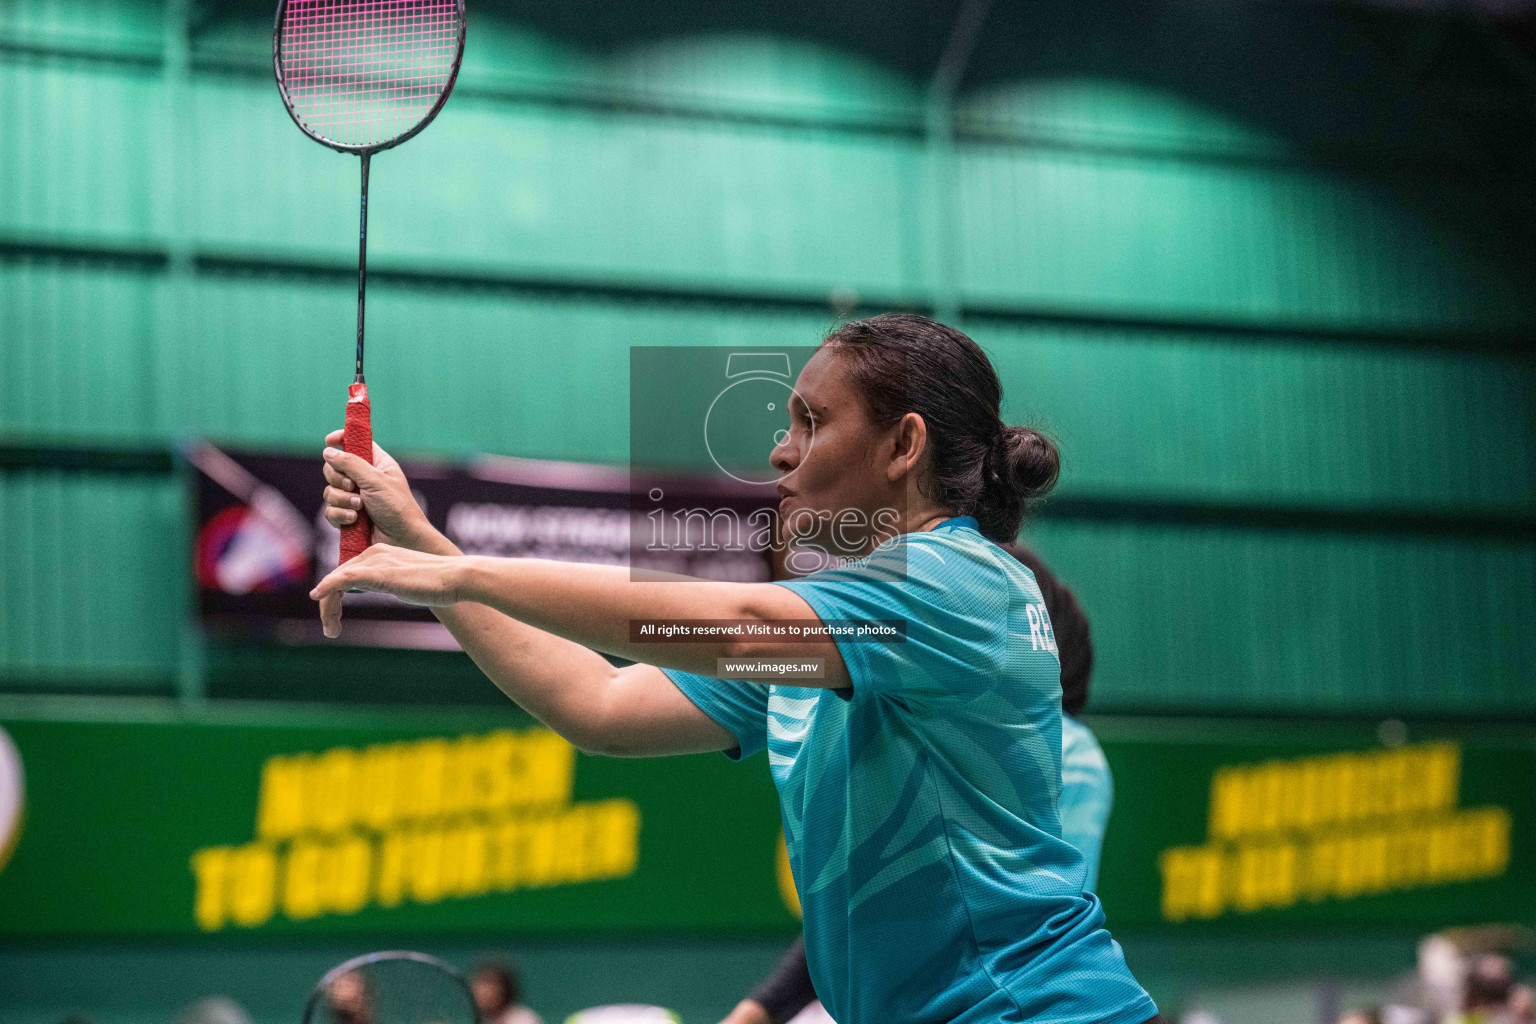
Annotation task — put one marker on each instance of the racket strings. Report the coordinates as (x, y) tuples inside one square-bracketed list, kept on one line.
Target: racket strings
[(365, 72)]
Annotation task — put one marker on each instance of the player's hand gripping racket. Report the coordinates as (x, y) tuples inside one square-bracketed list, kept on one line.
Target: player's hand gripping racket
[(392, 988), (361, 76)]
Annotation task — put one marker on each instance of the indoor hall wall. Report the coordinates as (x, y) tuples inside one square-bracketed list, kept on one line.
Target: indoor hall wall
[(1212, 289)]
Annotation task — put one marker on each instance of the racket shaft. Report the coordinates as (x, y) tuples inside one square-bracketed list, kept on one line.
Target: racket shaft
[(357, 439)]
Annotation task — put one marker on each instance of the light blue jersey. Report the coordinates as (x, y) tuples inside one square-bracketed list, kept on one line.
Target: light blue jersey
[(1087, 794), (920, 807)]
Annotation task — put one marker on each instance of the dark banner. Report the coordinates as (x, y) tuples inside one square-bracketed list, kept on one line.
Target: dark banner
[(303, 823), (262, 542)]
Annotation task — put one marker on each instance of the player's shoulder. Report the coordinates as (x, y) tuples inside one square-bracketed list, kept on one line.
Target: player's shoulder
[(958, 560), (961, 551)]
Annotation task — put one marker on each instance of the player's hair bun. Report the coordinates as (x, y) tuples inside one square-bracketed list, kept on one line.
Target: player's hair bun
[(1021, 468)]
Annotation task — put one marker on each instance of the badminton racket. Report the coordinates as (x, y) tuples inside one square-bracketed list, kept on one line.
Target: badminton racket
[(396, 987), (361, 76)]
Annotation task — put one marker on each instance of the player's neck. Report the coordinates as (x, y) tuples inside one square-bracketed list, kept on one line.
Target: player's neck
[(919, 520)]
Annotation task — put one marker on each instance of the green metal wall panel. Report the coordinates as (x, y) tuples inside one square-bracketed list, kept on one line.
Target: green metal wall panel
[(1211, 619), (450, 371), (491, 186), (78, 162), (83, 24), (1203, 619), (566, 191), (1101, 171), (1182, 238), (746, 62), (1360, 84), (78, 352), (768, 74), (1140, 413), (90, 593)]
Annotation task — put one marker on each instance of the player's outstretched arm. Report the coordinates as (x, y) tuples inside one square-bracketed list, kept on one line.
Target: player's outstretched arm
[(595, 606), (496, 615), (633, 711)]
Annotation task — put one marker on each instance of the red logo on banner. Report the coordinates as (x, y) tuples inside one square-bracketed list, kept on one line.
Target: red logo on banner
[(239, 552)]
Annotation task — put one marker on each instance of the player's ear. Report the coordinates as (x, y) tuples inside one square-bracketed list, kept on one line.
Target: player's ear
[(909, 439)]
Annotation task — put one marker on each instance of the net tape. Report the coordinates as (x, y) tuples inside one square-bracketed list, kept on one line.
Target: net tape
[(366, 72)]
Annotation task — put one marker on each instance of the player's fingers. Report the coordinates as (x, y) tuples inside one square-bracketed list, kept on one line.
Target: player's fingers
[(351, 466), (336, 478), (339, 498), (334, 438), (338, 582), (340, 516), (330, 615)]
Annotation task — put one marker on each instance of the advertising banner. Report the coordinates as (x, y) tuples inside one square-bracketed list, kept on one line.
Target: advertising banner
[(1294, 824), (246, 826), (299, 823), (261, 541)]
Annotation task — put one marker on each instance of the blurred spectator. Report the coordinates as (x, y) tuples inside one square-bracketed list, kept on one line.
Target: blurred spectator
[(1522, 1004), (498, 994), (1197, 1016), (1364, 1015), (1489, 980), (815, 1013), (350, 1000), (1463, 977), (214, 1010), (626, 1013)]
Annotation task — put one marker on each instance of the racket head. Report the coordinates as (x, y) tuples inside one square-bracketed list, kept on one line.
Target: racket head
[(392, 987), (362, 76)]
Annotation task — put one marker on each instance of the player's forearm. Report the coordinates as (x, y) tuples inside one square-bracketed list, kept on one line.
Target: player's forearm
[(560, 683), (594, 606)]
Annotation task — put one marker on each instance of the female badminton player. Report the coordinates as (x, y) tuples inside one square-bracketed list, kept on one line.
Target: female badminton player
[(919, 779)]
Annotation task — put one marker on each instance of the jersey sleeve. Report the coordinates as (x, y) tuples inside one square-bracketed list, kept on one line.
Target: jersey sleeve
[(740, 707), (949, 601), (1087, 795)]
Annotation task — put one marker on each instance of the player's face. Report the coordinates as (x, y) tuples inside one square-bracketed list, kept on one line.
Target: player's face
[(832, 481)]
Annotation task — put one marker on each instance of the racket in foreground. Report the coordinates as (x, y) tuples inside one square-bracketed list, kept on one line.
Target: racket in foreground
[(361, 76), (396, 987)]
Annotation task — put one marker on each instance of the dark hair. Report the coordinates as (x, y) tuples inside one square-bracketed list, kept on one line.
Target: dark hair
[(1069, 624), (506, 976), (900, 363)]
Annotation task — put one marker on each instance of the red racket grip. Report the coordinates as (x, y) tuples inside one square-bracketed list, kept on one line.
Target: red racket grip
[(357, 439)]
